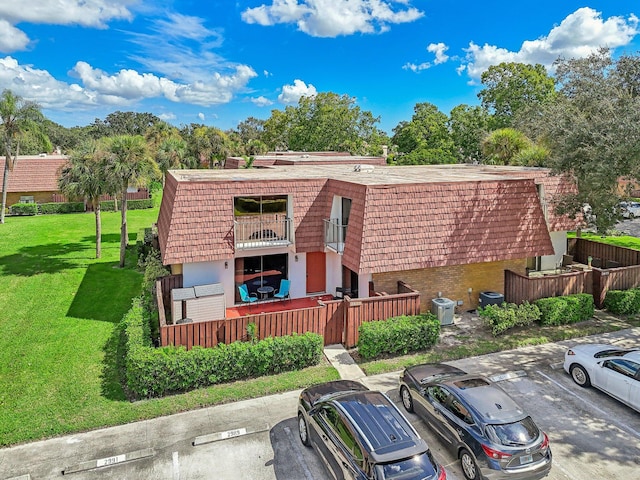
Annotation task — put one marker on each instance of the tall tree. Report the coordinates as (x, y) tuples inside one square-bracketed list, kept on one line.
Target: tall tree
[(510, 87), (129, 163), (85, 176), (170, 154), (425, 139), (468, 126), (16, 117), (325, 122), (593, 130), (123, 123), (210, 146)]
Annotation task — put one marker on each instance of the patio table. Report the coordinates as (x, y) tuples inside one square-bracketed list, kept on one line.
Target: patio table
[(265, 291)]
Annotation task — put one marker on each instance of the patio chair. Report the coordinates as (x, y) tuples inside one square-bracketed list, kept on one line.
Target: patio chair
[(245, 296), (283, 291)]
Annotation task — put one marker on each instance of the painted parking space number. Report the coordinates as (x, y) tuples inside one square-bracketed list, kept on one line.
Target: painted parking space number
[(103, 462)]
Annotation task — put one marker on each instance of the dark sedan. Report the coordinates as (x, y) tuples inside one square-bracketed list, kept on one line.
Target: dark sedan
[(361, 434), (490, 434)]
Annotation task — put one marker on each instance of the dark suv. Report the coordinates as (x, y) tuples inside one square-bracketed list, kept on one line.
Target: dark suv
[(484, 427), (360, 434)]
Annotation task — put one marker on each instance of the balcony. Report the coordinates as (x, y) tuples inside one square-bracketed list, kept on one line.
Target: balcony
[(262, 231), (334, 235)]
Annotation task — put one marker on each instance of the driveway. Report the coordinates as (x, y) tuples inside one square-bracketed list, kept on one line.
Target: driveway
[(592, 435)]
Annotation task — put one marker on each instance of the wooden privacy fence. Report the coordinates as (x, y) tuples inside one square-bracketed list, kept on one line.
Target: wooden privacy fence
[(336, 320), (602, 255), (614, 279), (520, 288)]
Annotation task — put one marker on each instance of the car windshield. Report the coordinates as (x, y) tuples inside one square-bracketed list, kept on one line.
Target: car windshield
[(514, 434), (418, 467)]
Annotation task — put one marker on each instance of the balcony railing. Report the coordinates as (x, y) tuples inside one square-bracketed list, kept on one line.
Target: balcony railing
[(334, 235), (262, 231)]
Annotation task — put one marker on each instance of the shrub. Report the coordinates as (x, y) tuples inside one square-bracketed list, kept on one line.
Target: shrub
[(501, 318), (140, 204), (398, 335), (66, 207), (153, 372), (23, 209), (623, 302), (565, 310), (108, 205)]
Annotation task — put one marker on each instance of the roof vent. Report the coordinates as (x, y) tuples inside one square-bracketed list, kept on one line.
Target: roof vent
[(363, 168)]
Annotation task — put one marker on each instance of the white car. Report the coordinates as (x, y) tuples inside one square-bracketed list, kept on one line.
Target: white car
[(614, 370), (630, 209)]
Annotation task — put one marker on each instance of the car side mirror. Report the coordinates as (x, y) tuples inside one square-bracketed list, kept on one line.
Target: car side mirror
[(423, 392)]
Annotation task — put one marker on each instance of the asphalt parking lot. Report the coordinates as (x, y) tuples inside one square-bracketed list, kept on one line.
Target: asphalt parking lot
[(592, 435)]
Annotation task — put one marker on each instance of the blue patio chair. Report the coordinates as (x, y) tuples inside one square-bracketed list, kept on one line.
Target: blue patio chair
[(245, 296), (283, 291)]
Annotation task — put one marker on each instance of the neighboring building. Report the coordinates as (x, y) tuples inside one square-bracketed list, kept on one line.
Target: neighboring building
[(447, 230), (302, 159), (33, 179)]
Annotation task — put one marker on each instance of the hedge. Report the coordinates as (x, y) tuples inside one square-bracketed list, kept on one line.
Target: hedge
[(66, 207), (501, 318), (23, 209), (153, 372), (623, 302), (398, 335), (566, 309), (110, 205)]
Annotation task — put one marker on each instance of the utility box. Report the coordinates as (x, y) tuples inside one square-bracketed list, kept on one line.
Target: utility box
[(490, 298), (443, 309)]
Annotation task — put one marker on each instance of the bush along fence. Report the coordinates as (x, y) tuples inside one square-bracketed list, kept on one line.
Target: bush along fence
[(73, 207), (623, 302), (398, 335), (154, 372), (546, 311)]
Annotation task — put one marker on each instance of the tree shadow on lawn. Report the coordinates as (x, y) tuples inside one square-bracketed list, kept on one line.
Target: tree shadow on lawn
[(105, 293), (50, 258)]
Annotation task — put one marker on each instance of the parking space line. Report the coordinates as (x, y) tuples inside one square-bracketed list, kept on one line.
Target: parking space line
[(508, 376), (591, 405), (20, 477), (217, 436), (109, 461), (176, 466)]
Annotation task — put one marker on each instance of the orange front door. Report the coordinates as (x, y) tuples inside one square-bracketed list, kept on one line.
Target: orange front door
[(316, 272)]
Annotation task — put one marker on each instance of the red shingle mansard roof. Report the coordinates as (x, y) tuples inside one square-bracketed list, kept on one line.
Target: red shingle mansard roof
[(401, 217), (34, 173)]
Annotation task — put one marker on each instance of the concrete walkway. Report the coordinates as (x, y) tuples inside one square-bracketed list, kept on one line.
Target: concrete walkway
[(343, 362)]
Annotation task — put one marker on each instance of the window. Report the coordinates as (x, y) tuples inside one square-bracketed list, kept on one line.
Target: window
[(260, 271), (460, 411), (439, 394), (341, 429), (624, 367)]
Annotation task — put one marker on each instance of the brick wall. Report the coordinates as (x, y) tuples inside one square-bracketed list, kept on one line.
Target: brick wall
[(453, 281), (38, 197)]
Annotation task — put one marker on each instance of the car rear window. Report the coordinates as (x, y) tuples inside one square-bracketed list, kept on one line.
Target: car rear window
[(514, 434), (418, 467)]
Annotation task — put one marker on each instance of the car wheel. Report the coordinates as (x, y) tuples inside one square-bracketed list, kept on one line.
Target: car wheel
[(580, 375), (303, 431), (469, 466), (407, 401)]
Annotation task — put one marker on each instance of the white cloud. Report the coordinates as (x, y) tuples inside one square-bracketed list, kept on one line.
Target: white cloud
[(11, 38), (439, 50), (331, 18), (167, 117), (201, 116), (94, 13), (416, 67), (291, 94), (578, 35), (261, 101)]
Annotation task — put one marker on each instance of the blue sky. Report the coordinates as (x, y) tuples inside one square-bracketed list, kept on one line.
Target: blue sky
[(218, 62)]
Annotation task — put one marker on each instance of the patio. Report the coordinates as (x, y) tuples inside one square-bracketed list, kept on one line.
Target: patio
[(271, 305)]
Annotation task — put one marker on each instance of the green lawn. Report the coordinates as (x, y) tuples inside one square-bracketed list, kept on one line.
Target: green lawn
[(59, 309), (619, 240)]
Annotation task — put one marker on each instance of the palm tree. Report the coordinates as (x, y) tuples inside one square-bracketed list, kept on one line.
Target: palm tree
[(16, 116), (85, 176), (128, 163), (171, 152)]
